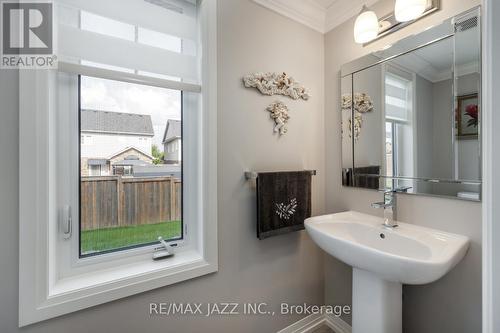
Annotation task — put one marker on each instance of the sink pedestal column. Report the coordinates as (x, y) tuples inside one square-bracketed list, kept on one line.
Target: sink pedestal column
[(377, 304)]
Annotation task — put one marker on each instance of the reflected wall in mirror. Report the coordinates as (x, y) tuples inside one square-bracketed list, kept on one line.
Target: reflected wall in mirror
[(421, 130)]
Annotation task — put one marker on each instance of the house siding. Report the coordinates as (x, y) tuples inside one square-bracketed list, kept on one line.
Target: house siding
[(98, 145), (174, 154)]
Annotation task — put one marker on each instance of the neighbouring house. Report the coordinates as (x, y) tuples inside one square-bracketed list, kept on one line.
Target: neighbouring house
[(172, 142), (113, 143)]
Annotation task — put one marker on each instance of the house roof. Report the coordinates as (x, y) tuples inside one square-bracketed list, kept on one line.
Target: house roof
[(115, 122), (131, 150), (172, 130)]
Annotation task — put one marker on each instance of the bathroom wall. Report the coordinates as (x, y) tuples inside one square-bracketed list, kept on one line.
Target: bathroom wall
[(452, 304), (436, 156), (366, 153), (468, 167), (467, 159), (287, 268), (424, 101)]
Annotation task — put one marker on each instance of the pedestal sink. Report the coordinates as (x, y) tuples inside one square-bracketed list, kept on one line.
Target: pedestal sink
[(383, 259)]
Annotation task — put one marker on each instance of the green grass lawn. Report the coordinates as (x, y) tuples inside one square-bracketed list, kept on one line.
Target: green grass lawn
[(114, 238)]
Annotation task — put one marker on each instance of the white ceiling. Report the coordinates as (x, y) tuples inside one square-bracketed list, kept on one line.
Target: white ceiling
[(321, 15), (435, 62)]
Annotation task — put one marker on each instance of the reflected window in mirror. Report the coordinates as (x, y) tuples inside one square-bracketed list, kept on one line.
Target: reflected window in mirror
[(399, 123)]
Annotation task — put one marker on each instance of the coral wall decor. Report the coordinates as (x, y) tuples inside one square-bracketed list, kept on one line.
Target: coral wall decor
[(279, 113), (276, 84), (358, 122), (362, 104)]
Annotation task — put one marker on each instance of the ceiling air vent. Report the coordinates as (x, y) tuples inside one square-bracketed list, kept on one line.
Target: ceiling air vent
[(466, 24)]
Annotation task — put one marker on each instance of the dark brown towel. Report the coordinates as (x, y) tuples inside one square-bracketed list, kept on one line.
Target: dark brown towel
[(367, 177), (283, 202)]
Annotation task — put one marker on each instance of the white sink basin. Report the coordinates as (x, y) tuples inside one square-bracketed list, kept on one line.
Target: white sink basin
[(407, 254), (383, 259)]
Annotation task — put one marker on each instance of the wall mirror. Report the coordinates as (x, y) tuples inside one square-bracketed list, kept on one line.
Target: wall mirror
[(411, 117)]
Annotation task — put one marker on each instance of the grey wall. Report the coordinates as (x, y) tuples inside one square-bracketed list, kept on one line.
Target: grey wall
[(288, 268), (469, 159), (424, 126), (369, 148), (467, 149), (442, 160), (452, 304)]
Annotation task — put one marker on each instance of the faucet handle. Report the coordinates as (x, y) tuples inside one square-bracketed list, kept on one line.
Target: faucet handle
[(402, 189), (381, 205), (395, 190)]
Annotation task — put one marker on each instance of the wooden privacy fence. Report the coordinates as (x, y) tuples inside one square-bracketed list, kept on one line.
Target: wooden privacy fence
[(115, 201)]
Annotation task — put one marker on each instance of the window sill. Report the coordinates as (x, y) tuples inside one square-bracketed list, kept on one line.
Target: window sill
[(82, 291), (145, 269)]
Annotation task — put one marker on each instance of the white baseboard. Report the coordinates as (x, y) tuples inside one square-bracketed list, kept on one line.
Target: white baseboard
[(305, 325), (337, 324), (314, 321)]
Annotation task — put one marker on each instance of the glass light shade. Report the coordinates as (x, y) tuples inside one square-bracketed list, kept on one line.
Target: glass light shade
[(366, 27), (407, 10)]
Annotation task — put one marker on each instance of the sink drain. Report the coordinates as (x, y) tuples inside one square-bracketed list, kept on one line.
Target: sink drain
[(382, 236)]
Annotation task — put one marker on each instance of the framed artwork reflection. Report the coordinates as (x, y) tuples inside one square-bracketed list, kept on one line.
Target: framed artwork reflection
[(467, 116)]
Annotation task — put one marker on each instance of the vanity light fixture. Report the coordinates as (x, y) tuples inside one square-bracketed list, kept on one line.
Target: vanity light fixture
[(408, 10), (366, 26)]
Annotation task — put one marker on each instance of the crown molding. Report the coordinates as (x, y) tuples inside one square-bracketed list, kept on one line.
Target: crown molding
[(305, 12), (342, 11), (315, 16)]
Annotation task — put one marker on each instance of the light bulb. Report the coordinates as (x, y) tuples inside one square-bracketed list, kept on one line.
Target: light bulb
[(366, 26), (408, 10)]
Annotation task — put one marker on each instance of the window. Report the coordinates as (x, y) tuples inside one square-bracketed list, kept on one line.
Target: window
[(86, 140), (94, 170), (398, 97), (103, 25), (399, 123), (143, 201), (160, 40), (104, 190)]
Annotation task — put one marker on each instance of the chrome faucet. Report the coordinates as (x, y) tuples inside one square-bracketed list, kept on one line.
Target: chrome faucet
[(389, 206)]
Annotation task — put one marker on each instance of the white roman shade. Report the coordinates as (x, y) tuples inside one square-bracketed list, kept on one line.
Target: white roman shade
[(398, 102), (155, 38)]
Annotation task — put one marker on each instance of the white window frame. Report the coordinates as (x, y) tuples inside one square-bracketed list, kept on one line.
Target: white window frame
[(43, 292), (408, 75)]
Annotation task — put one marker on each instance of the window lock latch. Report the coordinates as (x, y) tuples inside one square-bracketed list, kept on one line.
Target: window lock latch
[(66, 222), (164, 251)]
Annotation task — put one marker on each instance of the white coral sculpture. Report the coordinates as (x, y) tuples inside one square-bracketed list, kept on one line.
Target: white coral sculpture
[(362, 102), (358, 122), (276, 84), (279, 113)]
